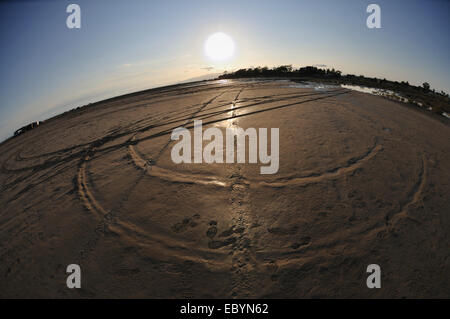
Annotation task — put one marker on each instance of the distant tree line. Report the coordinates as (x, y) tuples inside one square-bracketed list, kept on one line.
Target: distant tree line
[(283, 71)]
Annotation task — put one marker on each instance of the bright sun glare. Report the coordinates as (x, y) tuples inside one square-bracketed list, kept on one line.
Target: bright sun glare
[(219, 47)]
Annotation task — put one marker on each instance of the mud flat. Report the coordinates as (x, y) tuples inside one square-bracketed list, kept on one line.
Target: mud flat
[(362, 180)]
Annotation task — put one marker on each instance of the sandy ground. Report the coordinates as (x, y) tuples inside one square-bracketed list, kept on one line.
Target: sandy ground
[(362, 180)]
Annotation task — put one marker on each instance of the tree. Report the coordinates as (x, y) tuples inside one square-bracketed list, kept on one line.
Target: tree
[(426, 86)]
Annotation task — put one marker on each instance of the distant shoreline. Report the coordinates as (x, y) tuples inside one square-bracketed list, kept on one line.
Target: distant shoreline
[(438, 103)]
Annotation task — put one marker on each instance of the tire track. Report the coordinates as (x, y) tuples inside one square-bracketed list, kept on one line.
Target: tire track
[(109, 224), (243, 263), (108, 138), (189, 120), (351, 165), (177, 177), (413, 198), (368, 231)]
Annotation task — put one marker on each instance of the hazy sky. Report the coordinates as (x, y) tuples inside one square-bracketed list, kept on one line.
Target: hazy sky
[(124, 46)]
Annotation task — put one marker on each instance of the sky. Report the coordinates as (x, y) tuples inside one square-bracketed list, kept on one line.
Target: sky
[(126, 46)]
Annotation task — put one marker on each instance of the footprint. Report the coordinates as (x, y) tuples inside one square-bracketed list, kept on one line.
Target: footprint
[(231, 231), (211, 232), (302, 242), (181, 227)]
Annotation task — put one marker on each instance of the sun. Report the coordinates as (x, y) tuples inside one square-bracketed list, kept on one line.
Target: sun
[(219, 47)]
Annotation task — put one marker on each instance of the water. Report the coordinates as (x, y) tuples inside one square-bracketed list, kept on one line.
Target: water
[(313, 85), (374, 91)]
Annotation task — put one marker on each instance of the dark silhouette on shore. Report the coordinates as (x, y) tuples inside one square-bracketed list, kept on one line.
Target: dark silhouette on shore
[(27, 128)]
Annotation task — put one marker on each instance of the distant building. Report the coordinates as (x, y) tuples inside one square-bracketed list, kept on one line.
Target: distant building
[(26, 128)]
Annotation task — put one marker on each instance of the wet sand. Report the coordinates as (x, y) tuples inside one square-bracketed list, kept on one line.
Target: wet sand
[(362, 180)]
